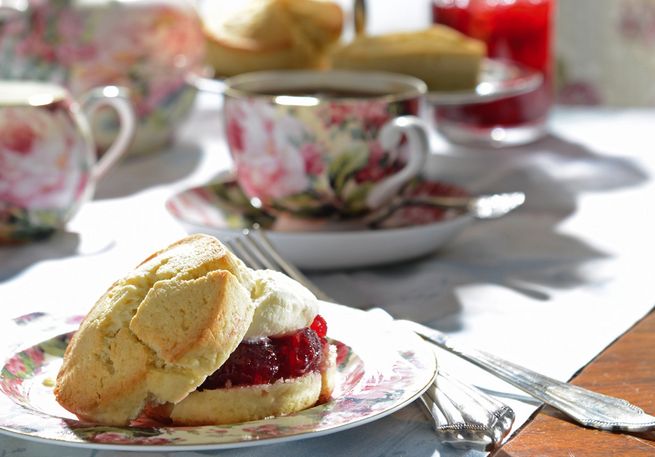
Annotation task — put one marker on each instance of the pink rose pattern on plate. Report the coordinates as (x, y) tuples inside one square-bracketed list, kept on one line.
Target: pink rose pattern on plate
[(148, 46), (363, 392), (17, 368), (312, 161), (45, 162)]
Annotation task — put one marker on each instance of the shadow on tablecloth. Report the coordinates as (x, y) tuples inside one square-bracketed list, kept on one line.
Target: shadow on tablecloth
[(526, 252)]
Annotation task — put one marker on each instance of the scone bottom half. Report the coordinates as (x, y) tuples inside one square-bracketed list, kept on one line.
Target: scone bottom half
[(162, 331)]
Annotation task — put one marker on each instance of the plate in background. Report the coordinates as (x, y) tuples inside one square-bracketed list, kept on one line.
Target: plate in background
[(498, 80)]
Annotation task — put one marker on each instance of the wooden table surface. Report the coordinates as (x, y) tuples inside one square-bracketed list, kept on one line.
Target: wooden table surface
[(625, 369)]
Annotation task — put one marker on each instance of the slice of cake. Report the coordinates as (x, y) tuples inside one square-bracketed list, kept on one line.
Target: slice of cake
[(442, 57)]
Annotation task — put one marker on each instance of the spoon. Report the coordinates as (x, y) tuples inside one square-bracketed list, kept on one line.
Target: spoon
[(230, 197), (488, 206), (359, 16)]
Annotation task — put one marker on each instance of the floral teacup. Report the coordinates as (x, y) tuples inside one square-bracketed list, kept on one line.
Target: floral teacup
[(48, 163), (333, 144)]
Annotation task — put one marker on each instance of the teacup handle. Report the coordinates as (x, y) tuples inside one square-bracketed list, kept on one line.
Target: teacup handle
[(118, 99), (390, 137)]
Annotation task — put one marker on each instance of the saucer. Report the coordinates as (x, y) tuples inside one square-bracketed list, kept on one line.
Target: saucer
[(221, 209), (498, 79)]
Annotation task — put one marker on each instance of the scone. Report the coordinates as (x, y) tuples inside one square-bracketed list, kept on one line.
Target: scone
[(158, 333), (442, 57), (272, 34), (284, 363)]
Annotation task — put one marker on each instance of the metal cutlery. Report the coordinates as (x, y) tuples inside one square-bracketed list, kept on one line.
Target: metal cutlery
[(488, 206), (462, 415), (359, 17), (588, 408)]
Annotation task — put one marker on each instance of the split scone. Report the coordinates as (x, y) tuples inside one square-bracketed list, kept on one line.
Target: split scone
[(441, 56), (271, 35), (193, 336)]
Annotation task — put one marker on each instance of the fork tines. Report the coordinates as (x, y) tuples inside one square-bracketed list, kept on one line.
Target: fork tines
[(256, 250)]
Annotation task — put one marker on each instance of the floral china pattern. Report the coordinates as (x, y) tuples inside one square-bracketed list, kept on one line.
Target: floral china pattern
[(415, 215), (611, 61), (223, 205), (45, 161), (149, 46), (365, 391), (314, 161)]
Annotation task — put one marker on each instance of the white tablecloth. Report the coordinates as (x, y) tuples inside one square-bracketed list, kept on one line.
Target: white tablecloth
[(548, 286)]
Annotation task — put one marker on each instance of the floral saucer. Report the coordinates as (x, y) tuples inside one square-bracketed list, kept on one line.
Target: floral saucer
[(381, 369), (221, 209)]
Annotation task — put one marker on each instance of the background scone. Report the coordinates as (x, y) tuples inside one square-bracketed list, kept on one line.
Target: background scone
[(271, 34), (442, 57), (156, 334)]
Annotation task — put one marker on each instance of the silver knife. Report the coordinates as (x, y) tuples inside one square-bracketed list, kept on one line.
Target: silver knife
[(588, 408)]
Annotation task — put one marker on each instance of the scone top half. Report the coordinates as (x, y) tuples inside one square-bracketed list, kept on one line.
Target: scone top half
[(156, 334)]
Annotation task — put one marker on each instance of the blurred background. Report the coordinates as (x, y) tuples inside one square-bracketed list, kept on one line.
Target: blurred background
[(604, 49)]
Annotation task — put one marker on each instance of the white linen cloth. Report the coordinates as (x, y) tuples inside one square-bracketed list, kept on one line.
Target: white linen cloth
[(548, 287)]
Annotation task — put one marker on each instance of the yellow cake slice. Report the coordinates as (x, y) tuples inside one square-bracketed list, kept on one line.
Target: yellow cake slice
[(442, 57)]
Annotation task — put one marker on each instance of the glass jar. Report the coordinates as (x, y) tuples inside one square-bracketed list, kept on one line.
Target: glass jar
[(513, 30)]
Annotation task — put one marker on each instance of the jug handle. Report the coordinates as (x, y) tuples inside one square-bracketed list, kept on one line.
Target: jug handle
[(118, 99)]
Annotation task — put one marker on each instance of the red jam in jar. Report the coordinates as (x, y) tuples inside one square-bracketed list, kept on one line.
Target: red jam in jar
[(514, 30)]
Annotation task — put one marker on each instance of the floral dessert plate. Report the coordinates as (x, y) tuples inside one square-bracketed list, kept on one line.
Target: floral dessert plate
[(381, 368), (221, 209)]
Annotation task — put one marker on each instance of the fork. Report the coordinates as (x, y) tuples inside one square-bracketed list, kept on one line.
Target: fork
[(460, 414)]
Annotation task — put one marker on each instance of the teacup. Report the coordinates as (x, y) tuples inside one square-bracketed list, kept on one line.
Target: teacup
[(331, 144), (48, 162)]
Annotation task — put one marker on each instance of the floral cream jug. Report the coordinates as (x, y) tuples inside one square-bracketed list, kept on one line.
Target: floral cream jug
[(150, 47)]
